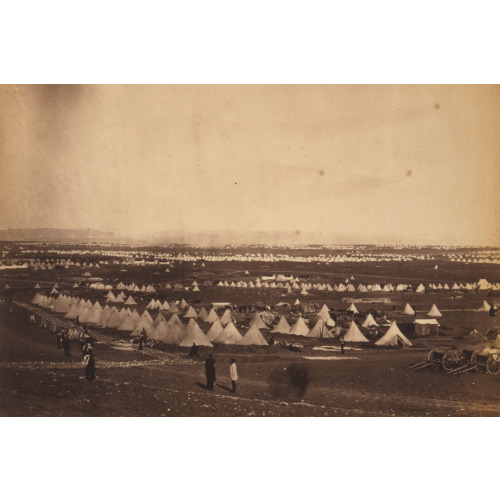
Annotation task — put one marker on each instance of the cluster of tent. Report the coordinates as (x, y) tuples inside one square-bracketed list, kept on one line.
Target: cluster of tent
[(473, 259), (39, 265), (173, 331), (492, 336)]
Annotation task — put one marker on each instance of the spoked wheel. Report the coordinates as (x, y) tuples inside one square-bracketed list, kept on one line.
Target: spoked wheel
[(450, 360), (493, 364), (430, 356)]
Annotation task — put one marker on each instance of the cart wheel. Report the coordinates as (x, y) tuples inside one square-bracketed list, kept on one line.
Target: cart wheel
[(430, 356), (473, 356), (493, 364), (450, 360)]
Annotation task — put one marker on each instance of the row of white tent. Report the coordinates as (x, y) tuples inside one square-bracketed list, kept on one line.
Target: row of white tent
[(222, 330), (173, 331)]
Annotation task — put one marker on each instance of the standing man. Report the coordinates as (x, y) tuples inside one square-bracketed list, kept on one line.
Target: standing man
[(66, 343), (233, 372), (142, 337), (59, 339), (210, 371), (89, 362), (342, 343)]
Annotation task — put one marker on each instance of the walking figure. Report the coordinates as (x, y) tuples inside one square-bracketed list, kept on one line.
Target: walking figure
[(66, 343), (210, 371), (142, 337), (89, 362), (342, 343), (193, 351), (233, 372)]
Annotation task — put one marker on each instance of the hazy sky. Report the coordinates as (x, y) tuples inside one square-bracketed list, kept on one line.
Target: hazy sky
[(378, 163)]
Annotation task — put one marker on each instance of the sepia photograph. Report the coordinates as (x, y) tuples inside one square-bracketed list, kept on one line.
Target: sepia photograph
[(249, 250)]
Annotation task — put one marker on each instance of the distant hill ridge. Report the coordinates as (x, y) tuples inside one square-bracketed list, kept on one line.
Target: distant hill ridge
[(53, 234)]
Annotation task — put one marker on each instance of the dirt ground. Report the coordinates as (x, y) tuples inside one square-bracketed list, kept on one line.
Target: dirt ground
[(38, 380)]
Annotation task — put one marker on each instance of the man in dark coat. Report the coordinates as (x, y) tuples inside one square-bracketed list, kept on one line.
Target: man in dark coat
[(210, 371), (193, 351), (66, 343), (142, 338), (89, 363)]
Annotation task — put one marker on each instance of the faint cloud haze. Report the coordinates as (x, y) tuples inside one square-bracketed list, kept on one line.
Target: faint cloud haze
[(383, 164)]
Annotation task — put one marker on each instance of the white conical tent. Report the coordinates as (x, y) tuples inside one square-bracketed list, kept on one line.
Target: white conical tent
[(324, 309), (324, 315), (175, 331), (105, 316), (159, 331), (319, 330), (174, 319), (299, 328), (434, 312), (183, 304), (203, 314), (230, 335), (420, 288), (257, 321), (408, 309), (282, 326), (226, 317), (253, 337), (173, 308), (485, 306), (190, 313), (212, 317), (353, 334), (130, 301), (475, 335), (95, 317), (72, 313), (393, 337), (128, 324), (369, 321), (194, 335), (159, 319), (215, 330), (114, 320), (352, 308), (84, 314), (143, 324)]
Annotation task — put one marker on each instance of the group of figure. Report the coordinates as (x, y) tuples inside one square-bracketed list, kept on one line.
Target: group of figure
[(63, 340), (210, 373)]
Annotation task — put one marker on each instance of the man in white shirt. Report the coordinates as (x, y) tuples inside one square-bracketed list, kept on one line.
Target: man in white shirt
[(234, 374)]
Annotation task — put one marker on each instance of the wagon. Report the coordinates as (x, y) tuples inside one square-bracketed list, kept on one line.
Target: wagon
[(457, 361)]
